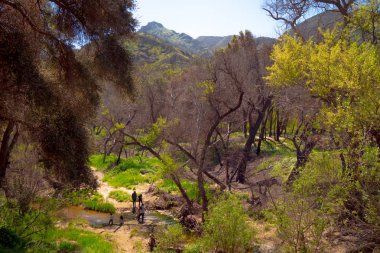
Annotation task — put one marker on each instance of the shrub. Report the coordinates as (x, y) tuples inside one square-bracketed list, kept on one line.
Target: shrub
[(9, 239), (77, 197), (120, 196), (226, 227), (170, 239)]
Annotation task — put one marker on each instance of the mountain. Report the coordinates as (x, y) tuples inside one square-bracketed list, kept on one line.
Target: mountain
[(180, 40), (214, 42), (203, 45), (325, 20), (147, 48)]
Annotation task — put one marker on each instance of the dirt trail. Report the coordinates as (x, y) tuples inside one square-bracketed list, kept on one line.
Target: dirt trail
[(125, 237), (105, 189)]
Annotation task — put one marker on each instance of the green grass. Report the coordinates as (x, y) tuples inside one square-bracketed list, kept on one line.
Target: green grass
[(131, 171), (271, 148), (120, 196), (191, 188), (99, 205), (77, 198), (77, 240), (97, 161)]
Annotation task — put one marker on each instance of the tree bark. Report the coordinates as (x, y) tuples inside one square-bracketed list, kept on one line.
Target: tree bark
[(7, 145), (261, 137), (183, 192), (253, 129)]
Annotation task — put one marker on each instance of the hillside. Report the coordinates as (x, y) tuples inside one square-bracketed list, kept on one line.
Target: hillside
[(150, 49), (203, 45), (324, 20), (214, 42), (180, 40)]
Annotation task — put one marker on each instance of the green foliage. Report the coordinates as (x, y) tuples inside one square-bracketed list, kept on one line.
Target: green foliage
[(190, 188), (195, 247), (25, 231), (302, 215), (77, 197), (99, 205), (226, 228), (90, 200), (131, 171), (170, 239), (73, 240), (272, 148), (299, 225), (120, 196), (8, 238), (97, 161)]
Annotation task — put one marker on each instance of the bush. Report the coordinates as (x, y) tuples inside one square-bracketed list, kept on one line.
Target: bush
[(19, 231), (78, 197), (170, 239), (120, 196), (226, 227), (8, 238)]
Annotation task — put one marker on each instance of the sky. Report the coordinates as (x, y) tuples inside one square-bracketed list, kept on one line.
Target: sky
[(208, 17)]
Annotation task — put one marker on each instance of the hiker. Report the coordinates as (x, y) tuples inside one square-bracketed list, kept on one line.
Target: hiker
[(140, 200), (134, 198), (121, 220), (141, 213), (111, 220)]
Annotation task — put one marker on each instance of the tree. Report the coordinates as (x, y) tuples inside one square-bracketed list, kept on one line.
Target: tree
[(44, 84), (344, 76), (226, 228), (293, 12), (242, 64)]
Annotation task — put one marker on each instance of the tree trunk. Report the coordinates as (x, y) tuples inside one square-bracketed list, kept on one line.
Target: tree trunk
[(302, 157), (183, 193), (119, 154), (253, 129), (245, 124), (261, 137), (270, 122), (7, 145)]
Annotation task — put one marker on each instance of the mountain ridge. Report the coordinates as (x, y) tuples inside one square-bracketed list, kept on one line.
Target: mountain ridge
[(202, 45)]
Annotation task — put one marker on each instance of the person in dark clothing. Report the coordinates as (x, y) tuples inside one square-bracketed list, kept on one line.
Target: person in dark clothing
[(121, 220), (134, 199), (141, 213), (140, 200), (111, 220)]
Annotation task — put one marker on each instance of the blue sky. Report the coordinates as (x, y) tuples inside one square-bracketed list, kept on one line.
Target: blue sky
[(208, 17)]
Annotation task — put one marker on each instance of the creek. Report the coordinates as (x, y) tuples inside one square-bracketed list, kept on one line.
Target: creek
[(98, 219)]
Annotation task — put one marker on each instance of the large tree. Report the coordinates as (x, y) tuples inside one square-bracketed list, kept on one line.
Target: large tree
[(47, 94)]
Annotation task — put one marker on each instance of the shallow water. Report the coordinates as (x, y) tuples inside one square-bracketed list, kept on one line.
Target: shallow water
[(100, 219)]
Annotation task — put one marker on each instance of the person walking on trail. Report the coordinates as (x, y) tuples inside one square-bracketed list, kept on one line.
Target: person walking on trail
[(140, 200), (121, 220), (141, 213), (111, 220), (134, 198)]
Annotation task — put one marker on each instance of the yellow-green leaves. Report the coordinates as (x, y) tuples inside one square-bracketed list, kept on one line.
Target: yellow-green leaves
[(290, 62), (207, 86)]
